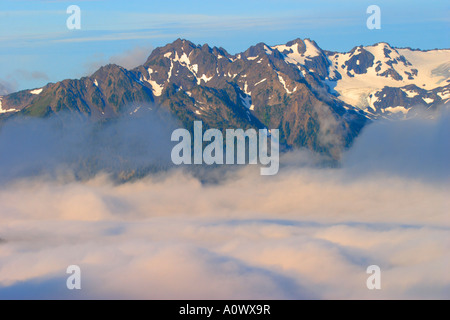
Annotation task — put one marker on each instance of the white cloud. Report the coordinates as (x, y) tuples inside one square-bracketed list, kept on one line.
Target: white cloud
[(303, 235)]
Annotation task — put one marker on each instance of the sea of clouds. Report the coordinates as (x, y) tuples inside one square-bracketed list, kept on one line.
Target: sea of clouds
[(308, 232)]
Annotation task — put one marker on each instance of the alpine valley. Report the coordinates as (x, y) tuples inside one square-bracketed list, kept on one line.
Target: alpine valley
[(318, 99)]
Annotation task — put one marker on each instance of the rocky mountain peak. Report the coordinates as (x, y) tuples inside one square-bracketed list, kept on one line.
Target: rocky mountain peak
[(295, 87)]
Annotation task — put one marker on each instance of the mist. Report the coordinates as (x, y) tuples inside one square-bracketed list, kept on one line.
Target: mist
[(74, 146), (308, 232)]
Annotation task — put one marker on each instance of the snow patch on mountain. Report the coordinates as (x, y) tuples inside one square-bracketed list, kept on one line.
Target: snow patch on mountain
[(185, 61), (391, 67), (156, 88), (169, 74), (246, 89), (36, 91), (428, 100), (260, 81), (204, 78), (371, 99), (398, 109), (5, 111), (280, 78), (311, 50), (293, 54), (410, 93), (268, 50), (444, 95), (427, 62)]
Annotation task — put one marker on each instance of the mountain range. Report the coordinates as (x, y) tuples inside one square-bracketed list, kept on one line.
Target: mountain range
[(318, 99)]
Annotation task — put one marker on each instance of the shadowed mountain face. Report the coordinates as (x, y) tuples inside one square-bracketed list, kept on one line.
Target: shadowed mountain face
[(317, 99)]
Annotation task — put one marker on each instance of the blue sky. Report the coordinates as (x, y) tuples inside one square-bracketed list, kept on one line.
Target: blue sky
[(37, 48)]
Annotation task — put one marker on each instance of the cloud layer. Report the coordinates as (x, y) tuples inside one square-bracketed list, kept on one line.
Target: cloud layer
[(308, 232)]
